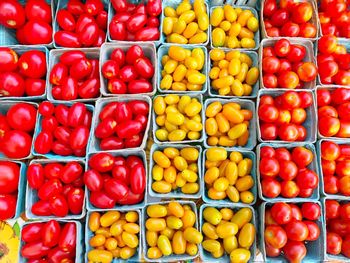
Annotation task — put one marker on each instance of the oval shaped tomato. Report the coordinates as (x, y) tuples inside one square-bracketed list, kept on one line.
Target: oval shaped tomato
[(75, 198), (67, 39), (70, 89), (31, 232), (110, 69), (144, 67), (79, 138), (34, 87), (89, 89), (37, 9), (280, 17), (101, 20), (8, 59), (50, 233), (139, 86), (101, 200), (102, 162), (117, 86), (11, 84), (39, 31), (12, 14), (43, 142), (75, 7), (70, 172), (128, 129), (16, 144), (49, 189), (80, 69), (34, 250), (41, 208), (65, 20), (138, 179), (136, 22), (35, 175), (111, 143), (123, 112), (53, 170), (334, 243), (116, 189), (59, 205), (105, 128), (7, 206), (93, 180), (46, 108), (68, 238), (147, 34), (76, 114), (139, 107), (89, 34), (294, 251), (117, 30), (93, 7), (118, 55)]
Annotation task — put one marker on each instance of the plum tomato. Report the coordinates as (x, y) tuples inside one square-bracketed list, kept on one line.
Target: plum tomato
[(12, 14)]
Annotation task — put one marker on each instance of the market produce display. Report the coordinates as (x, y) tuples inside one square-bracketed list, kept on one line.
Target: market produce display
[(175, 130)]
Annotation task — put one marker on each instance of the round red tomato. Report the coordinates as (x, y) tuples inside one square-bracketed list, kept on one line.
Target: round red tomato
[(323, 97), (270, 81), (269, 167), (288, 170), (327, 111), (345, 247), (9, 176), (328, 167), (270, 65), (297, 230), (282, 154), (268, 131), (307, 179), (271, 188), (288, 80), (307, 30), (311, 211), (8, 59), (275, 236), (39, 31), (269, 52), (280, 17), (284, 116), (290, 29), (22, 116), (296, 53), (331, 184), (296, 212), (302, 13), (271, 251), (302, 156), (330, 151), (12, 14), (268, 113), (328, 69), (32, 64), (328, 126), (270, 7), (11, 84), (344, 184), (289, 189), (307, 71), (294, 251), (288, 132), (298, 116), (285, 65), (267, 151), (281, 213), (334, 243), (345, 211), (7, 206), (327, 44)]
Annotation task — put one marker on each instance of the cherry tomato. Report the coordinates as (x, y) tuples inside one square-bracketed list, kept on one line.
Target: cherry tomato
[(12, 14), (32, 232), (101, 200), (138, 179), (120, 5), (329, 126), (65, 20), (67, 39), (79, 138), (89, 89), (290, 29), (105, 128), (93, 7), (267, 151), (34, 87), (102, 162), (144, 67), (307, 72), (289, 189), (116, 189), (345, 211), (128, 129), (297, 230), (75, 198), (117, 30), (296, 53), (46, 108), (288, 170), (330, 151), (269, 167), (275, 236), (280, 17), (270, 81), (53, 170), (270, 64), (270, 7), (117, 86), (288, 80), (136, 22), (41, 208), (43, 142), (302, 13), (35, 176), (281, 213), (294, 251), (307, 30), (327, 44), (311, 211), (328, 167), (344, 183), (37, 9), (7, 206), (39, 31), (323, 97), (89, 34), (268, 131), (139, 86), (268, 113), (8, 59), (59, 205), (16, 144), (70, 87), (49, 189), (34, 250), (282, 154), (51, 233), (154, 7), (271, 188), (67, 241), (147, 34), (12, 84), (345, 248)]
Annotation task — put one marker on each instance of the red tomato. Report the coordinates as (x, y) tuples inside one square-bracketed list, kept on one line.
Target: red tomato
[(268, 131), (280, 17), (70, 172), (110, 69), (288, 132), (116, 189), (37, 9), (58, 255), (67, 39), (53, 170), (308, 30), (294, 251), (7, 206), (16, 144), (298, 116), (117, 86), (12, 14), (138, 179), (35, 176), (147, 34), (139, 86), (344, 131), (271, 251), (269, 167), (296, 53), (271, 188), (285, 65), (267, 151), (344, 111), (95, 73), (328, 126), (70, 57), (331, 184), (93, 180), (311, 211), (8, 59), (275, 236), (89, 34), (269, 52), (339, 226), (34, 87), (330, 151), (268, 113), (307, 179), (118, 55), (32, 232), (70, 86), (327, 111), (9, 176), (270, 81), (46, 108), (80, 69), (314, 230), (59, 205), (328, 167), (102, 162), (268, 218), (270, 7), (39, 31), (41, 208), (323, 97), (89, 89), (79, 138), (302, 13), (154, 7), (93, 7), (144, 67), (105, 128), (288, 170), (117, 30), (111, 143), (136, 22), (12, 85), (282, 47), (67, 241), (289, 189), (281, 213), (340, 96), (344, 185), (282, 154), (34, 250), (327, 44), (128, 73), (49, 189), (273, 32), (288, 80), (345, 247), (128, 129), (345, 211), (307, 71), (101, 20), (328, 69), (75, 198), (43, 142), (51, 232), (270, 65), (101, 200), (290, 29), (65, 20), (120, 5), (22, 116), (296, 212), (297, 230)]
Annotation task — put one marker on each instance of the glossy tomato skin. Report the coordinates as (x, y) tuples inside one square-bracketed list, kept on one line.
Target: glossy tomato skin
[(16, 144), (329, 126), (345, 248), (138, 179), (118, 55), (271, 188), (89, 34), (117, 30), (117, 86), (270, 81), (154, 7), (311, 211), (334, 243), (59, 205), (41, 208), (281, 213), (22, 116), (51, 232), (8, 59), (43, 142), (9, 176), (80, 69), (36, 9), (101, 200), (46, 109), (65, 20), (307, 72), (7, 206), (268, 131), (12, 84), (112, 143), (144, 67), (269, 167), (70, 172), (105, 128), (75, 198), (297, 230), (116, 189), (344, 184), (139, 86), (89, 89), (67, 241), (328, 167), (288, 80), (147, 34), (270, 65), (93, 7), (39, 31), (139, 107), (294, 251), (110, 69), (34, 250), (67, 39), (79, 138), (275, 236), (268, 113), (35, 176), (49, 189), (32, 232), (12, 14), (102, 162), (34, 87), (288, 170), (93, 180), (136, 22), (70, 89), (128, 129)]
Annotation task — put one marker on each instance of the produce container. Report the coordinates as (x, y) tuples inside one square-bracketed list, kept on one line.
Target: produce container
[(227, 201), (62, 4), (125, 153), (89, 234), (330, 257), (312, 166), (163, 50), (174, 193), (315, 248), (32, 195), (244, 6), (155, 126), (173, 257), (55, 54), (52, 155), (4, 107), (245, 104), (112, 13), (174, 4), (20, 49), (79, 241), (341, 41), (310, 123), (309, 57), (8, 35), (319, 158), (149, 50), (206, 256), (254, 56), (21, 187), (94, 143), (330, 88), (313, 20)]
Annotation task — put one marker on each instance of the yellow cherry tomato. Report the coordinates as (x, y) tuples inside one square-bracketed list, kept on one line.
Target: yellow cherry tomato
[(107, 219), (230, 13), (159, 105), (188, 219), (211, 127), (253, 24), (164, 245), (169, 11), (97, 240), (212, 215), (237, 131), (183, 102), (242, 217), (223, 124), (226, 229), (233, 115), (221, 184), (203, 21), (156, 211), (111, 243), (131, 240), (168, 232), (177, 135), (230, 243), (240, 255), (127, 252), (246, 235), (216, 154), (199, 55), (155, 224), (244, 183), (216, 195), (218, 37), (168, 24), (233, 194), (191, 249), (161, 159), (94, 221), (226, 213), (211, 175), (231, 172), (131, 216), (209, 231), (161, 187), (213, 109), (252, 76), (154, 253), (217, 16), (176, 209), (187, 16), (151, 238), (177, 38), (211, 245), (162, 134), (247, 197), (190, 188), (97, 255), (236, 156), (131, 228), (247, 43), (192, 235), (166, 82)]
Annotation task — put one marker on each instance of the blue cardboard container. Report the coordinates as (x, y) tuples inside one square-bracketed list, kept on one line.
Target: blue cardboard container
[(187, 141), (310, 123), (163, 50), (20, 49), (55, 54), (79, 241), (101, 103), (315, 248), (330, 257), (172, 257), (89, 234), (8, 35), (62, 4), (32, 195), (205, 255), (149, 49), (313, 166), (245, 104), (244, 7), (254, 56), (5, 105), (112, 13), (318, 147), (52, 155), (174, 193), (227, 201), (174, 4), (124, 153)]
